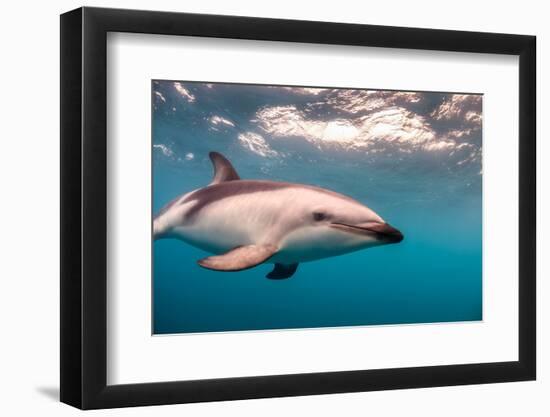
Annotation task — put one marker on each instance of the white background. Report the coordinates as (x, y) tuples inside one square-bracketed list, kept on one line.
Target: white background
[(30, 256), (134, 356)]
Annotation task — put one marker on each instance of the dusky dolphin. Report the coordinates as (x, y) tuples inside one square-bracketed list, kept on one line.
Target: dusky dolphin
[(245, 223)]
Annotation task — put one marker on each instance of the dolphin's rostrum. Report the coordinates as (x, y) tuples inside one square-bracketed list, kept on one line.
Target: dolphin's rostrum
[(248, 222)]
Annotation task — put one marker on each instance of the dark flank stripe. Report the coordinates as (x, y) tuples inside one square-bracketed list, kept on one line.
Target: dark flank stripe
[(167, 207), (216, 192)]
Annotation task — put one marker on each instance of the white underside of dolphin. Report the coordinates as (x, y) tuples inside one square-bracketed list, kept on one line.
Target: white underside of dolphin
[(244, 223)]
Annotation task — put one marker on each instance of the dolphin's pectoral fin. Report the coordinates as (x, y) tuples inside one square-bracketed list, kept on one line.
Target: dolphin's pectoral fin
[(242, 257), (282, 271), (223, 170)]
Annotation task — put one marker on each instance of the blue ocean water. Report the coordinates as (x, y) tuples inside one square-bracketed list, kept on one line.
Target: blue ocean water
[(415, 160)]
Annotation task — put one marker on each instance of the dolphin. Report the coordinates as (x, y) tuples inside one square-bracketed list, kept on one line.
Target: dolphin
[(245, 223)]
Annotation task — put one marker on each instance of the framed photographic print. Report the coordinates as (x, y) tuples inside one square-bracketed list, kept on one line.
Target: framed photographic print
[(257, 208)]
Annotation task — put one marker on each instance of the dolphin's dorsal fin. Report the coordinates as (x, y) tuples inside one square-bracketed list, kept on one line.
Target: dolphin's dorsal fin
[(223, 170)]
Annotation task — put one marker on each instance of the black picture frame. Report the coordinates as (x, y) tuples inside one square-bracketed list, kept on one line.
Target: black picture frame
[(84, 207)]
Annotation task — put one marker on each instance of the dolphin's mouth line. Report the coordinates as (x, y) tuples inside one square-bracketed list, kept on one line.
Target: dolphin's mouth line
[(381, 231), (353, 228)]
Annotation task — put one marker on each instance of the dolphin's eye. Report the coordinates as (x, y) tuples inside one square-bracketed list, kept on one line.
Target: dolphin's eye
[(319, 216)]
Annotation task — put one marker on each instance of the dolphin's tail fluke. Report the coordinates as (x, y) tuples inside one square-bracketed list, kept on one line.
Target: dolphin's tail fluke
[(158, 230)]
